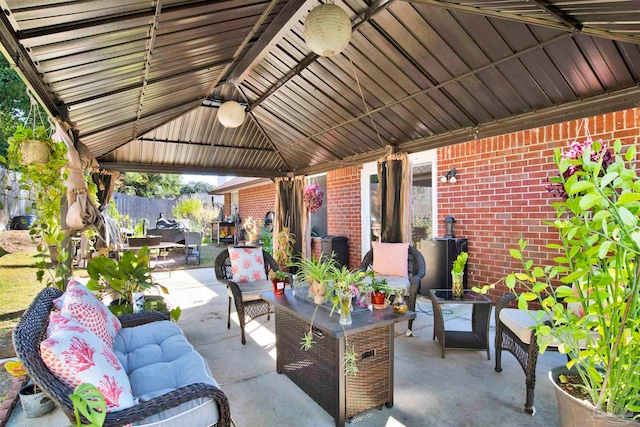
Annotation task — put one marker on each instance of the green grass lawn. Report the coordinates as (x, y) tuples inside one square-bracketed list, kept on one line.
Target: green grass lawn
[(18, 284)]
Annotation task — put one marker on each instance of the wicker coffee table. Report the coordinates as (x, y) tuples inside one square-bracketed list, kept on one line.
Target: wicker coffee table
[(478, 337), (319, 372)]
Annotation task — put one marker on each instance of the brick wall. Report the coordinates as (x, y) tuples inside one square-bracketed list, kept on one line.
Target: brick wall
[(257, 201), (343, 209), (500, 195), (227, 204)]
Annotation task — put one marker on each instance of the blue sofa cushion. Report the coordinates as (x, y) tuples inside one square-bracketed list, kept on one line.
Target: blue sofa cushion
[(158, 359)]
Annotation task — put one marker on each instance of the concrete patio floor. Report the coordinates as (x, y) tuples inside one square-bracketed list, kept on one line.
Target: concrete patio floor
[(461, 390)]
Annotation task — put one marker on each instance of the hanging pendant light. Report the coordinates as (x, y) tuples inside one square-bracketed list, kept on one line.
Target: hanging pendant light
[(327, 30), (231, 114)]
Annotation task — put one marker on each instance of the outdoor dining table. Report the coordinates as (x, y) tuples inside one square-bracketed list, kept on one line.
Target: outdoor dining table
[(156, 251)]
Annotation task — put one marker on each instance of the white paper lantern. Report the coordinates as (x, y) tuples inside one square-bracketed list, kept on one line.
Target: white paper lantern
[(327, 30), (231, 114)]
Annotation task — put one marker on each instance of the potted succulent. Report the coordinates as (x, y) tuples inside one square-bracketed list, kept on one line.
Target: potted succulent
[(598, 269), (128, 276)]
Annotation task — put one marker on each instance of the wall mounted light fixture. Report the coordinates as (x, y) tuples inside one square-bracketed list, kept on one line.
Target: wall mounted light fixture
[(450, 176)]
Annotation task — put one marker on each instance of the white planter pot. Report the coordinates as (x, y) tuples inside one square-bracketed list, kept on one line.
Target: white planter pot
[(35, 151), (573, 412), (33, 404)]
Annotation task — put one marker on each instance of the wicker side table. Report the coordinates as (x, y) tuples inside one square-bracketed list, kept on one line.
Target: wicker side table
[(319, 372), (478, 337)]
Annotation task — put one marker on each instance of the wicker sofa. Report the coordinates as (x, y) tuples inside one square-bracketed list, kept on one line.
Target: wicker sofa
[(143, 346)]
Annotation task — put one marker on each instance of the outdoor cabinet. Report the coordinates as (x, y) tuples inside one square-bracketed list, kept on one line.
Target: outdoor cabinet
[(439, 254), (337, 245)]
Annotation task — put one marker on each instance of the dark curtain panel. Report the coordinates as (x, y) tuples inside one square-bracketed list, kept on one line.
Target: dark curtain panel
[(394, 177)]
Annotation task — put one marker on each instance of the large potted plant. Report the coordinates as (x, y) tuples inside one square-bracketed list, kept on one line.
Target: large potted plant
[(128, 277), (284, 252), (594, 310)]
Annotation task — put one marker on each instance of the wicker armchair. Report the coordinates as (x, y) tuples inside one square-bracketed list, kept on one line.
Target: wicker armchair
[(417, 270), (245, 296), (522, 344), (31, 330)]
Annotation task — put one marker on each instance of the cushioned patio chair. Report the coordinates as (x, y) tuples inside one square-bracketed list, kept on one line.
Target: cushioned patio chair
[(416, 271), (515, 333), (246, 296)]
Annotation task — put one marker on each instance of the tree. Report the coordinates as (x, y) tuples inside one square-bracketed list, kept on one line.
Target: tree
[(196, 187), (151, 185), (14, 103)]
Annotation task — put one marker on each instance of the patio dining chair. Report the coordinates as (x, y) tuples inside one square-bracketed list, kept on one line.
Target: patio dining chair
[(416, 271), (246, 294), (192, 243)]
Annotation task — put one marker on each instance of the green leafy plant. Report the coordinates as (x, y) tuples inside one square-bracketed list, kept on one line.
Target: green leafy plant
[(279, 275), (88, 401), (314, 269), (598, 269), (459, 263), (45, 184), (128, 275), (267, 240)]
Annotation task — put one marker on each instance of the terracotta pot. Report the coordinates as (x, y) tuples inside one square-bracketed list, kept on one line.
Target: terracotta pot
[(573, 412), (278, 286), (378, 297)]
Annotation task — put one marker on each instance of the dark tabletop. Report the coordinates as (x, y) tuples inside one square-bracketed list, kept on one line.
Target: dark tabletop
[(362, 321), (470, 297)]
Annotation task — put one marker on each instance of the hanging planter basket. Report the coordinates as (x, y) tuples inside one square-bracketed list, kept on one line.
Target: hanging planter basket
[(312, 198), (35, 152)]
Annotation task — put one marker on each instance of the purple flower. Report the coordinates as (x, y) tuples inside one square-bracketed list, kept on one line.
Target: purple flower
[(312, 198), (575, 151)]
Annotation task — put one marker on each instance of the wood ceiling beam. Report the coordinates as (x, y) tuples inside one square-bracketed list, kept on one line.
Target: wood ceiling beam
[(595, 105), (175, 169), (530, 20), (290, 14), (358, 21), (433, 88)]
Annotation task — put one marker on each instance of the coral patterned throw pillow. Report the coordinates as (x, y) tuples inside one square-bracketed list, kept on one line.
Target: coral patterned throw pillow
[(247, 264), (75, 355), (391, 259), (82, 306)]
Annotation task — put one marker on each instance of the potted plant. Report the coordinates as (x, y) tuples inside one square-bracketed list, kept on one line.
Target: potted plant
[(318, 272), (42, 173), (457, 275), (598, 269), (34, 401), (381, 292), (128, 276), (284, 253), (279, 281)]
